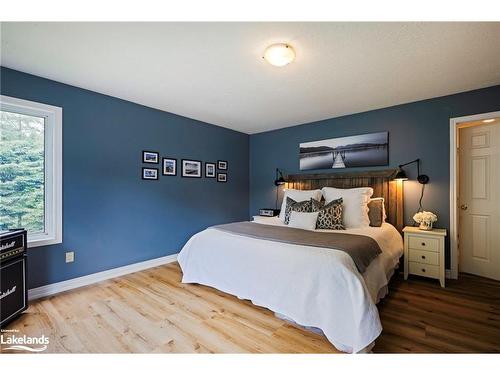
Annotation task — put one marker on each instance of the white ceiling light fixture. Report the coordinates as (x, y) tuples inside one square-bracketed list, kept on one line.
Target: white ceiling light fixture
[(489, 120), (279, 54)]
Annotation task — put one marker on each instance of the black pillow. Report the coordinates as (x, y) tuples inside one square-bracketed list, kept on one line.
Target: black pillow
[(292, 205), (330, 216)]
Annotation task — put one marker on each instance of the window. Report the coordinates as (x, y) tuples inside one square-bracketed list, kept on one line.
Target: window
[(31, 169)]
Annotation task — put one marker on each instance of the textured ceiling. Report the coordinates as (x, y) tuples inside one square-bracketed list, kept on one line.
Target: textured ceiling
[(214, 72)]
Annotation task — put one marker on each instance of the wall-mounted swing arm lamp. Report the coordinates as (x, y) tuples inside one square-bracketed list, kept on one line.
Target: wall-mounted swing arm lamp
[(423, 179), (401, 175), (279, 180)]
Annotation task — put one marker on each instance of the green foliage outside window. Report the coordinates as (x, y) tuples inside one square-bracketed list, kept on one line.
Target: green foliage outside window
[(21, 172)]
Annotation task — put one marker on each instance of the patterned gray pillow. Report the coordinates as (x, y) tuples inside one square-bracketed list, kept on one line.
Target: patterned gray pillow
[(292, 205), (330, 215)]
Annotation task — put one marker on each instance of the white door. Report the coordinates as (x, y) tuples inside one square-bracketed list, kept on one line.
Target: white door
[(479, 199)]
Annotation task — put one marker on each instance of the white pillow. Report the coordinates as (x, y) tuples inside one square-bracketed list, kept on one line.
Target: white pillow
[(298, 196), (355, 204), (303, 220)]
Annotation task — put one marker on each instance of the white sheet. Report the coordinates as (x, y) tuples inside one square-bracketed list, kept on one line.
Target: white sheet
[(314, 287)]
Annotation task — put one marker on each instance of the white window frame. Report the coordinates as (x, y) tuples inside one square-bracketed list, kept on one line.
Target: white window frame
[(53, 165)]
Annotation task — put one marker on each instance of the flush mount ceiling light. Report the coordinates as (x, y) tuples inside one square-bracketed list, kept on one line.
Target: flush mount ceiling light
[(489, 120), (279, 54)]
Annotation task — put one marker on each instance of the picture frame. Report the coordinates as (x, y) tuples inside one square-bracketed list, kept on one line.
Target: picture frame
[(210, 170), (169, 167), (150, 157), (191, 168), (222, 165), (363, 150), (149, 173), (222, 177)]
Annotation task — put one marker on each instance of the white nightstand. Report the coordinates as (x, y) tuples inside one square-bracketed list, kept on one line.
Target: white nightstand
[(424, 253)]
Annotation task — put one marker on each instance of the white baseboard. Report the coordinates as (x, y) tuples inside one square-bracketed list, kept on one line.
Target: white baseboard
[(47, 290)]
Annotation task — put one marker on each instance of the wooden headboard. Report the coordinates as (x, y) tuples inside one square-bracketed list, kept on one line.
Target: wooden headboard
[(381, 181)]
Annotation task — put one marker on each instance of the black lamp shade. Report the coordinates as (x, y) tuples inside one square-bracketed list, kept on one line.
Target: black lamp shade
[(280, 180), (401, 175)]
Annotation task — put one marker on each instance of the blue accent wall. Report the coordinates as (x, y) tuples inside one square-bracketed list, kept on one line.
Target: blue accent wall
[(416, 130), (111, 217)]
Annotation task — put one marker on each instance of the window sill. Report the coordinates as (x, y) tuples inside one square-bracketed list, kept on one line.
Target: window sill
[(41, 240)]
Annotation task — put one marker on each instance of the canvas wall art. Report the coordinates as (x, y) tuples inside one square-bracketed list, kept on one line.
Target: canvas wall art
[(363, 150)]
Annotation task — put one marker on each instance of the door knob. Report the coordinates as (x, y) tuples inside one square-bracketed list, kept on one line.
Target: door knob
[(464, 207)]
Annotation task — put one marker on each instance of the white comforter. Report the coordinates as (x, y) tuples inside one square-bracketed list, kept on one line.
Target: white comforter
[(315, 287)]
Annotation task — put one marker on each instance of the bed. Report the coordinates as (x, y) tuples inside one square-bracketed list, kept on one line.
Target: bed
[(317, 288)]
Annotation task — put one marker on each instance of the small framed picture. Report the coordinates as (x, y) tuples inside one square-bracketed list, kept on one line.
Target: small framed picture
[(222, 165), (221, 177), (150, 157), (169, 167), (210, 170), (150, 173), (191, 168)]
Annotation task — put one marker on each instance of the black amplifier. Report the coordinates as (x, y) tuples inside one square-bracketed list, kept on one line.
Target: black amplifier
[(13, 288)]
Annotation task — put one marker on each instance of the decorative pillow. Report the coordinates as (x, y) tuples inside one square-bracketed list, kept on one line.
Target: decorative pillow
[(355, 204), (376, 212), (298, 196), (329, 215), (292, 205), (303, 220)]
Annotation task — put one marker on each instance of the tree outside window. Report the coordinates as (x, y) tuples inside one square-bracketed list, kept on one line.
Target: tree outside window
[(22, 201)]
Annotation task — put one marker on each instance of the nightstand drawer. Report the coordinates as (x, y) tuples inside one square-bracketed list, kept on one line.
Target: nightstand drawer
[(427, 257), (423, 243), (424, 269)]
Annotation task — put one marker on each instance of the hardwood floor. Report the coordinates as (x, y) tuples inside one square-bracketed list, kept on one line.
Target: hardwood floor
[(152, 312), (418, 316)]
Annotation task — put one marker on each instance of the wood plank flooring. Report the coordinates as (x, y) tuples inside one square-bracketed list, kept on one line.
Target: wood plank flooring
[(418, 316), (152, 312)]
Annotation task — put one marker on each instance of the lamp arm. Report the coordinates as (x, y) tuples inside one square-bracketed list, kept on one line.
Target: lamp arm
[(278, 173), (423, 179), (411, 162)]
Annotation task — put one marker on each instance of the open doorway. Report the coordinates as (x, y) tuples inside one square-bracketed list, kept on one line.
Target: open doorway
[(475, 195)]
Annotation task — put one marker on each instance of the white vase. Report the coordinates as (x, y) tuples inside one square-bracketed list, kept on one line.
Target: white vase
[(425, 225)]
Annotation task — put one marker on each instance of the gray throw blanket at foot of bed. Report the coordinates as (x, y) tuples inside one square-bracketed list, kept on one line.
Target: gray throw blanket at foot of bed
[(362, 249)]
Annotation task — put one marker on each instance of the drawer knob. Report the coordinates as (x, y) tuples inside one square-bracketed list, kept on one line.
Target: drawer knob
[(423, 243), (423, 256), (423, 269)]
